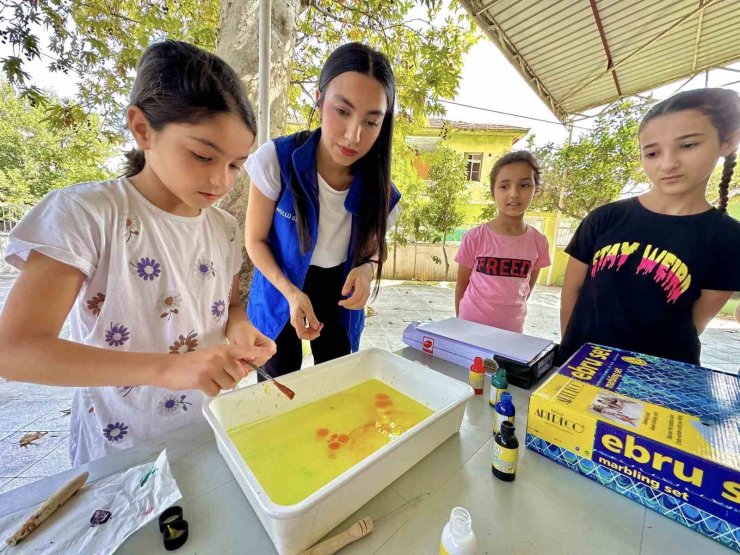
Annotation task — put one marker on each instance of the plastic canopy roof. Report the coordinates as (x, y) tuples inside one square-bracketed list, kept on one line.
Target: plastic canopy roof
[(579, 54)]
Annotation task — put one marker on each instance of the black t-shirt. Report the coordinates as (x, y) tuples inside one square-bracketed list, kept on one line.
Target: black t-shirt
[(646, 270)]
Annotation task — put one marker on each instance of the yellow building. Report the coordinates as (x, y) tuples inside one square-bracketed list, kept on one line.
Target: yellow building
[(482, 144)]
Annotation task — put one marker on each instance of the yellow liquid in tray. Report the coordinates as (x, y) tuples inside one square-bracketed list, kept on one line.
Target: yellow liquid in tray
[(295, 453)]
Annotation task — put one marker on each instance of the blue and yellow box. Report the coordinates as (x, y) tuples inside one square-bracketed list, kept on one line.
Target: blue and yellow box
[(665, 434)]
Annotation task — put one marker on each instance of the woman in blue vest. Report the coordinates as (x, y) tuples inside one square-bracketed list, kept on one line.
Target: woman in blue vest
[(319, 206)]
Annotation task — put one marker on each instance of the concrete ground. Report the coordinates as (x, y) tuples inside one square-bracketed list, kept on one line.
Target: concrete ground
[(26, 408)]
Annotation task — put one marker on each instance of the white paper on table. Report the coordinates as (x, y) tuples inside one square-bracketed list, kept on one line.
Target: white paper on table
[(515, 346), (133, 498)]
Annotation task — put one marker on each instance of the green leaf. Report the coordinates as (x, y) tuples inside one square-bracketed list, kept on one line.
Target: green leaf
[(34, 96), (12, 68)]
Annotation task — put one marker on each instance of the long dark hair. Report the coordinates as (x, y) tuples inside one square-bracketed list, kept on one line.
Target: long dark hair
[(177, 82), (722, 107), (512, 158), (375, 166)]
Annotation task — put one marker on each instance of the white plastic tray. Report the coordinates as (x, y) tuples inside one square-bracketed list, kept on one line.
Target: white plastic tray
[(294, 528)]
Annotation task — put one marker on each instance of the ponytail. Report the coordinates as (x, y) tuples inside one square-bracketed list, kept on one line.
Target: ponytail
[(135, 162)]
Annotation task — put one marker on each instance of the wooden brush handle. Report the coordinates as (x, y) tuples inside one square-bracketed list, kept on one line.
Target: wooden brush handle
[(358, 530), (48, 508), (285, 390)]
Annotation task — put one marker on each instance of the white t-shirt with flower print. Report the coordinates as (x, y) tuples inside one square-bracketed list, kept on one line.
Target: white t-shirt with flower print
[(155, 282)]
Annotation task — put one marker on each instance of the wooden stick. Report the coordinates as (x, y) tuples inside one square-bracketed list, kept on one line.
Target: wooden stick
[(48, 508), (284, 389), (358, 530)]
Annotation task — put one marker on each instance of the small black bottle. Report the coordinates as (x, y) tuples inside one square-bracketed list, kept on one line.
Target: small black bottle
[(505, 451)]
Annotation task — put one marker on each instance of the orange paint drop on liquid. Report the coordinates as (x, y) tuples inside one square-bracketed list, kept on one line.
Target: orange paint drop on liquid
[(291, 466), (380, 403)]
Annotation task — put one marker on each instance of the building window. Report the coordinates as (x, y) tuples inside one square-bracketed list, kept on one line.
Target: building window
[(475, 163)]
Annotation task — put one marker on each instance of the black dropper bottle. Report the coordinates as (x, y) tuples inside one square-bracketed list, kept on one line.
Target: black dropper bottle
[(505, 452)]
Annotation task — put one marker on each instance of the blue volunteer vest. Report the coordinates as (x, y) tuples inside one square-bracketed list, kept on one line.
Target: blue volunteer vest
[(268, 310)]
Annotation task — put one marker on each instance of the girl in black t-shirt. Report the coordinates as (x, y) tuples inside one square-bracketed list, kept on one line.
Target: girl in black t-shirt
[(649, 273)]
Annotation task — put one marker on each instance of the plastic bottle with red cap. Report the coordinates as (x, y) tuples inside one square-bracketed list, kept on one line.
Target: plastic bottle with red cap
[(477, 375)]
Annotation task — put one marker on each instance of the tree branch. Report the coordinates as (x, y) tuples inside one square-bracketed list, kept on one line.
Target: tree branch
[(303, 82), (380, 27), (326, 14), (112, 13)]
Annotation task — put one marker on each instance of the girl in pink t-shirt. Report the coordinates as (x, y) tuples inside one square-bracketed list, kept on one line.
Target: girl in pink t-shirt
[(499, 261)]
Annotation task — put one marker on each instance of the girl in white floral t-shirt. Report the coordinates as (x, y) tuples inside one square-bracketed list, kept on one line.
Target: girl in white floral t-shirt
[(144, 265)]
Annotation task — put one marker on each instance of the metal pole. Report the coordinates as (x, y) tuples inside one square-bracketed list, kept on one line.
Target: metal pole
[(559, 214), (265, 28)]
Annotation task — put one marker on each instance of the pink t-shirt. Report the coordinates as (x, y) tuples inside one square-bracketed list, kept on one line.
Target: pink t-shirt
[(499, 283)]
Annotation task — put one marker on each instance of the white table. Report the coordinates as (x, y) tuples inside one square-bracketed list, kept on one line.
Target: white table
[(547, 509)]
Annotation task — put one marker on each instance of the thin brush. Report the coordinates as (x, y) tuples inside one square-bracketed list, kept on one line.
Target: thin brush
[(289, 393)]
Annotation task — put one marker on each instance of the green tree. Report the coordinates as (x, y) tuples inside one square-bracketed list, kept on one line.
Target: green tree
[(424, 41), (595, 168), (447, 193), (36, 158), (99, 43), (411, 186)]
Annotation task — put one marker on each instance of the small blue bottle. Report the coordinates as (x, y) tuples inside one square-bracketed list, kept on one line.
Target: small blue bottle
[(505, 411)]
